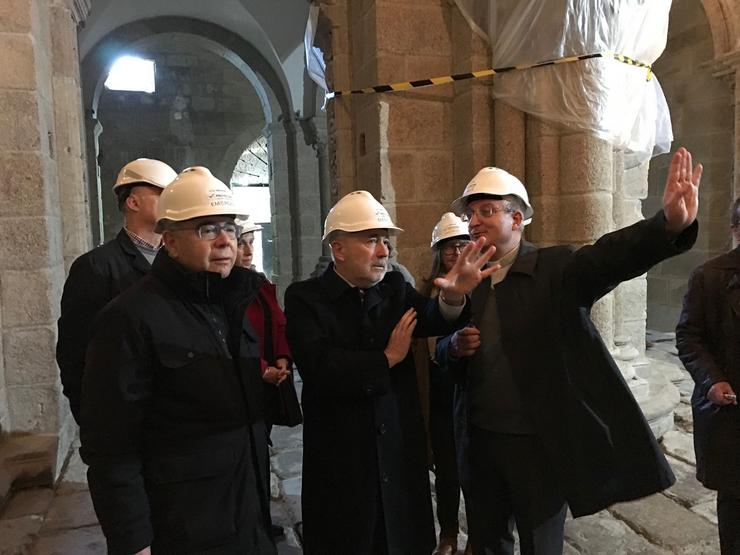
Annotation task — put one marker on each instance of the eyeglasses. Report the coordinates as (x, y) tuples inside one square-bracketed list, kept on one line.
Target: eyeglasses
[(485, 211), (453, 248), (208, 232)]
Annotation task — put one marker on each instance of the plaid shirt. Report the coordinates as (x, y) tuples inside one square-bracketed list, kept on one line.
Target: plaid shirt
[(139, 242)]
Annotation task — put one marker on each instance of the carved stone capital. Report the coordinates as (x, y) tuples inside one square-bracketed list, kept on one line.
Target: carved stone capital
[(726, 66), (79, 9)]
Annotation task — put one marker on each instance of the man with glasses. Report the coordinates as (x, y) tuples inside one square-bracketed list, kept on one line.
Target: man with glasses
[(547, 419), (708, 341), (101, 274), (172, 425)]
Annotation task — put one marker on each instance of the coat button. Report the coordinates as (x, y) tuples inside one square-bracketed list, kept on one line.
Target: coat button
[(191, 354), (384, 478), (368, 389), (381, 429)]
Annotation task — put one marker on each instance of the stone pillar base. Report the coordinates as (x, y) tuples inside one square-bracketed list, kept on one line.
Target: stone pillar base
[(662, 399)]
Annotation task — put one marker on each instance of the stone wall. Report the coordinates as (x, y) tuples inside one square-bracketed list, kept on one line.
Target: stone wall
[(702, 112), (43, 204), (414, 151), (202, 106)]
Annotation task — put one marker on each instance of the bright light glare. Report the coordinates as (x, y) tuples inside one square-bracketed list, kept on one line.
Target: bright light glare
[(130, 73)]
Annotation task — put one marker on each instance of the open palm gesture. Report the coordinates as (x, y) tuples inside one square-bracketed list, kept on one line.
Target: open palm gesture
[(681, 195), (468, 270)]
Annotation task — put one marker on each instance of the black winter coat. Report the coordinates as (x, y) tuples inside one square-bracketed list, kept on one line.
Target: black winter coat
[(708, 341), (363, 434), (592, 430), (94, 279), (171, 416)]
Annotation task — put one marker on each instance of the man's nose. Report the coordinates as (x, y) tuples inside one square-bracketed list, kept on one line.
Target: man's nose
[(382, 250)]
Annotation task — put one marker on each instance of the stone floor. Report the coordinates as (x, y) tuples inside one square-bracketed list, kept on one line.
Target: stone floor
[(681, 520)]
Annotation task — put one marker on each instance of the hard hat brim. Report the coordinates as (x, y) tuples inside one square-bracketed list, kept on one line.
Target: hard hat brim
[(392, 230)]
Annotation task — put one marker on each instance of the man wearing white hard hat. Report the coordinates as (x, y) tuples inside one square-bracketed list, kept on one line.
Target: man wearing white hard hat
[(172, 424), (365, 477), (547, 419), (99, 275)]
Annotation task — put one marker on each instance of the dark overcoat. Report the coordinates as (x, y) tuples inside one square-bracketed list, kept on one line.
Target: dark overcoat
[(592, 430), (708, 341), (94, 279), (364, 450), (171, 419)]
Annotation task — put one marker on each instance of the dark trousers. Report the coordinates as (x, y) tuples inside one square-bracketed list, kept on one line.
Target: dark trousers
[(512, 483), (446, 480), (728, 517)]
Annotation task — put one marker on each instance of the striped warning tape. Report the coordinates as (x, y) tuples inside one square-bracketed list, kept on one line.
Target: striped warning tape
[(405, 85)]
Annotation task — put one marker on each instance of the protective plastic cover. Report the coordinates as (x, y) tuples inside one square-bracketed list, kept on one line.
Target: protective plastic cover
[(614, 100)]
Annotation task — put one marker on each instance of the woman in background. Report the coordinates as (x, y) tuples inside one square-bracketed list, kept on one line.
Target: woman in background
[(449, 237)]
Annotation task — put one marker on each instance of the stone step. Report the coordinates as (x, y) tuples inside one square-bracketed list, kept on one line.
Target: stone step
[(26, 460), (669, 525)]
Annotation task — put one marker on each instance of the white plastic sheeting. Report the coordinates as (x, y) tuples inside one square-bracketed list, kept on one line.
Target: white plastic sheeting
[(615, 101)]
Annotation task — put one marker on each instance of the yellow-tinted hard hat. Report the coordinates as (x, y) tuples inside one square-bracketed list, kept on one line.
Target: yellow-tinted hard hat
[(146, 171), (358, 211), (193, 194)]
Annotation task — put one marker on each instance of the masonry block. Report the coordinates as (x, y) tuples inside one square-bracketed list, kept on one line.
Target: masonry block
[(631, 299), (65, 56), (41, 240), (18, 54), (19, 121), (34, 408), (422, 29), (29, 356), (509, 124), (586, 164), (586, 217), (15, 16), (31, 297), (22, 186), (417, 123)]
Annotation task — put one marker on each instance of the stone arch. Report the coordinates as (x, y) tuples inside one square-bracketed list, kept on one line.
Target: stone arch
[(274, 98), (724, 21)]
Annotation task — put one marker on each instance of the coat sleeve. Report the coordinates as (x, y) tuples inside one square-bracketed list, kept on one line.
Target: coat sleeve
[(116, 389), (594, 270), (324, 364), (86, 292), (691, 337)]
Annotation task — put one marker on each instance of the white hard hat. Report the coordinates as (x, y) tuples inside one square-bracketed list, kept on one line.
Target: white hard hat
[(448, 226), (147, 171), (498, 182), (193, 194), (358, 211), (245, 226)]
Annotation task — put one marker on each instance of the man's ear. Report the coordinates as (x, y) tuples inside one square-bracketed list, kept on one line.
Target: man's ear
[(337, 250), (170, 243), (132, 202), (517, 218)]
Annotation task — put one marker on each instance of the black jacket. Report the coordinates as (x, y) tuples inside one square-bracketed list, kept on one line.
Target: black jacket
[(593, 431), (708, 341), (94, 279), (171, 416), (363, 433)]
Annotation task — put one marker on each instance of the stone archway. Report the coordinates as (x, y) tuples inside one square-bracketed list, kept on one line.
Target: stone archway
[(275, 101)]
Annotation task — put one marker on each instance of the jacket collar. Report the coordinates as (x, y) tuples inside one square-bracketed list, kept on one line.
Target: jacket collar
[(208, 286), (526, 259), (335, 286), (127, 246)]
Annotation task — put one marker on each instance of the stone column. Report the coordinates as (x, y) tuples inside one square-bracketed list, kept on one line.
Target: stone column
[(33, 247), (277, 148)]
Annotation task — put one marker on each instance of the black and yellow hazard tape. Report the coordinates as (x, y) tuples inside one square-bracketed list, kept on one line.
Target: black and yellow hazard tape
[(405, 85)]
